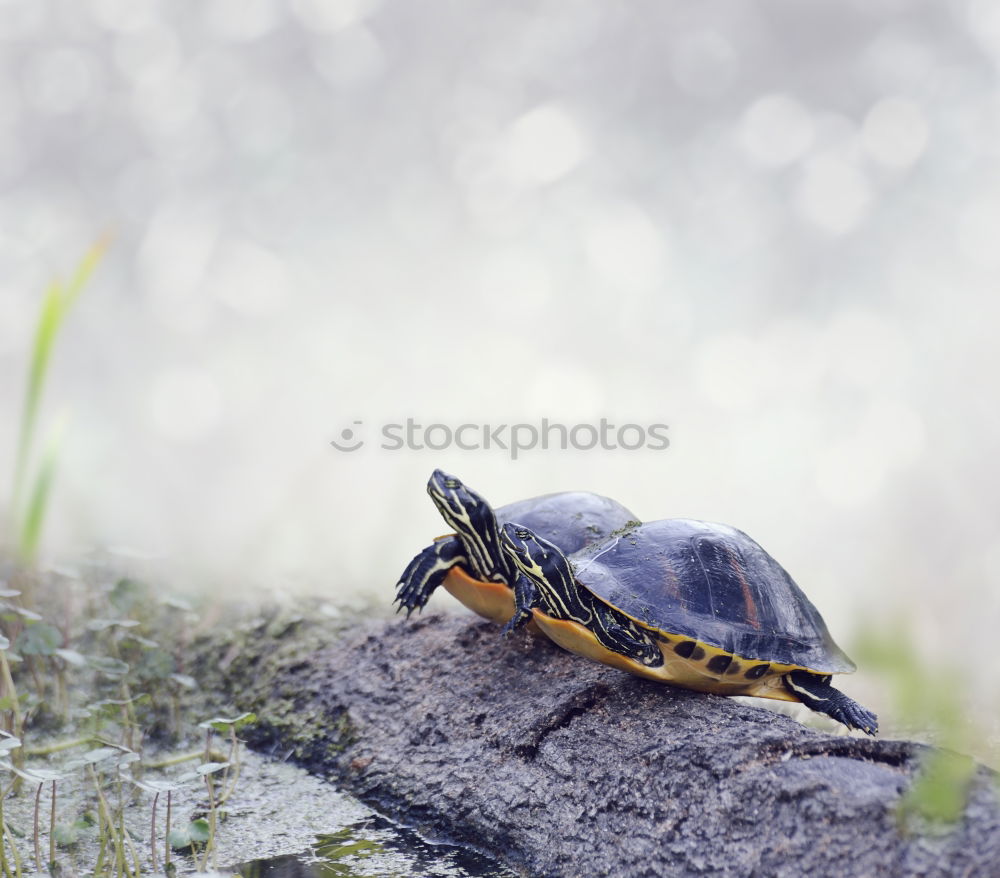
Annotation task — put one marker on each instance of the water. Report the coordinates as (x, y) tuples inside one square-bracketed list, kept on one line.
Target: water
[(375, 847)]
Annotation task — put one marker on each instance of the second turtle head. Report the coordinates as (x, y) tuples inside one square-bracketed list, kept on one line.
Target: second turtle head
[(534, 556)]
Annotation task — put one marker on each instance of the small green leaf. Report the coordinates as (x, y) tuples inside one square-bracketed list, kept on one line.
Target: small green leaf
[(92, 757), (68, 834), (154, 786), (223, 724), (71, 657), (196, 832), (39, 639), (104, 624), (4, 643), (108, 666), (180, 839), (211, 767), (34, 775), (127, 594), (155, 663), (121, 702), (185, 681), (200, 830), (24, 613)]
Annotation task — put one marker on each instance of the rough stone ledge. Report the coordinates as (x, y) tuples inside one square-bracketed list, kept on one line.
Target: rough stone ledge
[(561, 767)]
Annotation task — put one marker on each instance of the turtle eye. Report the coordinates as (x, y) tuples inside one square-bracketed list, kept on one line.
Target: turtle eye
[(451, 483), (523, 534)]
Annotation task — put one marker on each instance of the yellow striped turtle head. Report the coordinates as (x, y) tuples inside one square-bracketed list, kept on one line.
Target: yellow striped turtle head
[(541, 561), (473, 519)]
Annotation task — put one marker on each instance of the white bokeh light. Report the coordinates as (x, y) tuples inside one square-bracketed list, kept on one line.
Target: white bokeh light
[(124, 16), (853, 470), (977, 233), (172, 262), (352, 56), (895, 132), (544, 144), (704, 63), (185, 404), (331, 16), (833, 194), (516, 281), (241, 21), (61, 80), (250, 279), (149, 53), (776, 130), (867, 350), (984, 25), (734, 371), (626, 247)]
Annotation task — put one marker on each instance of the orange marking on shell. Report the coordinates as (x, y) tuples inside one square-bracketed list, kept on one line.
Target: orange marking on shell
[(748, 600)]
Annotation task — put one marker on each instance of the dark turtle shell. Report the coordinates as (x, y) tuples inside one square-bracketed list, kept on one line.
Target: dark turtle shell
[(571, 519), (712, 583)]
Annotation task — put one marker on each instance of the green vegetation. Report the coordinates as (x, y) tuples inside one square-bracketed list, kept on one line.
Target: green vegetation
[(26, 518), (927, 696), (88, 710), (87, 696)]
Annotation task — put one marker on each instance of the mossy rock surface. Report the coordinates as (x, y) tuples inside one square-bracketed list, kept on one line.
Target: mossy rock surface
[(562, 767)]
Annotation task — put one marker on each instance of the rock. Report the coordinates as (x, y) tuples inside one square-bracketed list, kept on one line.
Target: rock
[(562, 767)]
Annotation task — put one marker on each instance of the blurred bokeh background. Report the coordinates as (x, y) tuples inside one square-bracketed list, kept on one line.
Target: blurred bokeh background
[(771, 225)]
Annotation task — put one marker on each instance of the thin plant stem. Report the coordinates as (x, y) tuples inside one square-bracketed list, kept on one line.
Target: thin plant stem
[(128, 712), (58, 746), (166, 834), (104, 814), (11, 691), (136, 865), (213, 755), (3, 837), (210, 844), (33, 669), (122, 860), (38, 848), (52, 826), (152, 832), (232, 773)]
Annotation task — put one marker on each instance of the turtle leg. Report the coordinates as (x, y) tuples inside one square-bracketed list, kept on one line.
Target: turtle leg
[(816, 693), (426, 572), (526, 596), (625, 638)]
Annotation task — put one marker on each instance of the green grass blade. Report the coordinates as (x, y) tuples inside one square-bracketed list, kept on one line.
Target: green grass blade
[(56, 303), (38, 502), (83, 272), (49, 318)]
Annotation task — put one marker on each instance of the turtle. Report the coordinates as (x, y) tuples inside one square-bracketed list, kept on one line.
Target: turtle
[(692, 603), (470, 563)]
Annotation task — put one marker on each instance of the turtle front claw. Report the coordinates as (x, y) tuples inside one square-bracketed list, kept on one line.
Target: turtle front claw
[(518, 620), (402, 603), (425, 573)]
